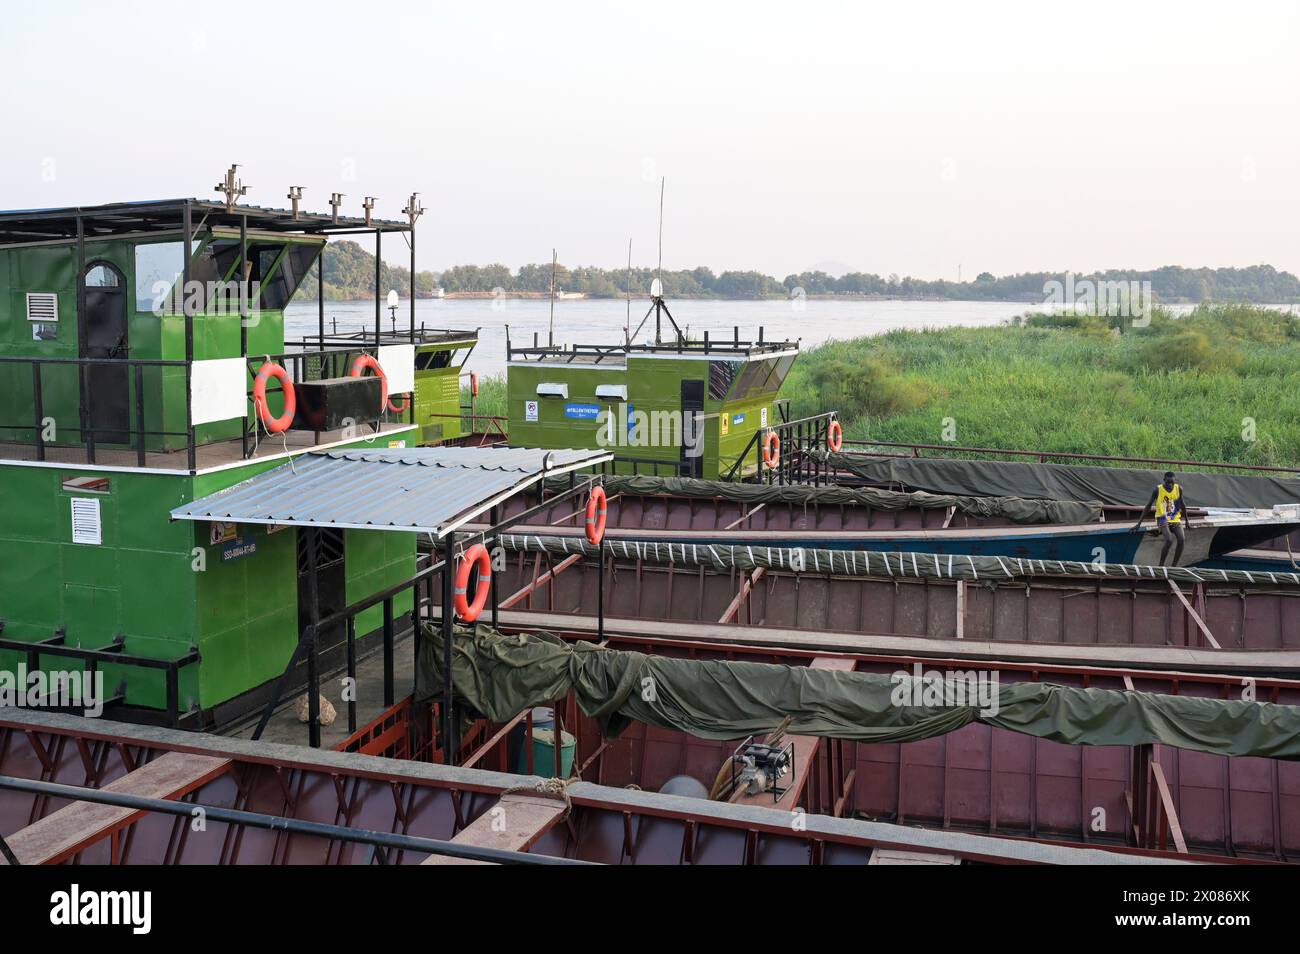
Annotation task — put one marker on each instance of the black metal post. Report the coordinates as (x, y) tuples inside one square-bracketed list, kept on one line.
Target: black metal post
[(320, 299), (188, 229), (38, 408), (413, 299), (379, 265), (388, 652), (139, 415), (243, 313), (352, 675), (83, 341), (448, 617), (313, 673), (600, 591), (496, 543)]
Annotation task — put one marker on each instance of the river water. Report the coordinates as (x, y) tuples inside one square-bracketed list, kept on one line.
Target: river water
[(601, 321)]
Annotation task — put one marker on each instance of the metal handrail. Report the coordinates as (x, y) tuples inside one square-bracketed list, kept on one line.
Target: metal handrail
[(1067, 455)]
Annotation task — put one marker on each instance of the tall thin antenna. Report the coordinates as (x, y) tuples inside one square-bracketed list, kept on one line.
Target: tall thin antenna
[(659, 270), (627, 327), (551, 336)]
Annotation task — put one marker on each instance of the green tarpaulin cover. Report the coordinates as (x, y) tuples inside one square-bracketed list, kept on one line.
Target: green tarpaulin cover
[(498, 676), (1113, 486), (1015, 508)]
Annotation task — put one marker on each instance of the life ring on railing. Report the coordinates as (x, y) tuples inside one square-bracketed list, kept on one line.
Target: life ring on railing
[(475, 556), (358, 369), (596, 513), (276, 425), (473, 384), (771, 449), (835, 437)]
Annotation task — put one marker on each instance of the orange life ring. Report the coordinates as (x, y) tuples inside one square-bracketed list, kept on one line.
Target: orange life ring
[(476, 555), (473, 384), (596, 512), (367, 361), (835, 437), (276, 425), (771, 449)]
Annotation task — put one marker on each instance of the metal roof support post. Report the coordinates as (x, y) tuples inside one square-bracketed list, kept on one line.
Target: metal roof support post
[(379, 264), (320, 300), (600, 590), (388, 652), (412, 329), (448, 615), (313, 672), (87, 434), (492, 518), (243, 313), (191, 452)]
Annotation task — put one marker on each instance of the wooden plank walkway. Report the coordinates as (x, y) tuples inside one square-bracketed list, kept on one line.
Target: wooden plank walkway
[(514, 823), (70, 830)]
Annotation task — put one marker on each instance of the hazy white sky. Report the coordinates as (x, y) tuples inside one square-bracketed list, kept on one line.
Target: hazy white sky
[(898, 137)]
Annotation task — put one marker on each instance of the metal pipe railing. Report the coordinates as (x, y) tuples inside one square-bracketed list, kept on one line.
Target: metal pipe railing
[(1043, 456), (233, 816)]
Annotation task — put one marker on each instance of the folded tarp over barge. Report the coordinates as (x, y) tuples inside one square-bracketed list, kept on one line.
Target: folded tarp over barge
[(1018, 509), (499, 675), (722, 558), (1113, 486)]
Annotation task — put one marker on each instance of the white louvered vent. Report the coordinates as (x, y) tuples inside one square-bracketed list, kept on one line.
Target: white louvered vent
[(85, 521), (42, 306)]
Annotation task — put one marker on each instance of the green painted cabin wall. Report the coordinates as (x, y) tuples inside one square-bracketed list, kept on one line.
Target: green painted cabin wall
[(52, 268), (138, 582), (653, 384), (437, 392), (141, 581)]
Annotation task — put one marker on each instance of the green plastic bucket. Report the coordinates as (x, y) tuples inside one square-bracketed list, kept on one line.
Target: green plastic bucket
[(544, 754)]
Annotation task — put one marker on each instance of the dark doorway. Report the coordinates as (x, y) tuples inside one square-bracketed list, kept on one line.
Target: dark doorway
[(692, 455), (108, 397), (331, 584)]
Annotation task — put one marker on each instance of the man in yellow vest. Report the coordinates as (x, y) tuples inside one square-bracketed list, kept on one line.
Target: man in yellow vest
[(1171, 512)]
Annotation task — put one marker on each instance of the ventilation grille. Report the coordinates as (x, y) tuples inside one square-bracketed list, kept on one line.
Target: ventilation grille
[(85, 521), (42, 306)]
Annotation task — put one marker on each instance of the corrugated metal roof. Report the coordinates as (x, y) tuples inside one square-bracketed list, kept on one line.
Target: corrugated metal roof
[(428, 489)]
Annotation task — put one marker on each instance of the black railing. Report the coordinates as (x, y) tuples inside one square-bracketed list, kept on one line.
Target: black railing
[(680, 344), (796, 463), (112, 654), (1044, 457), (90, 432), (650, 466)]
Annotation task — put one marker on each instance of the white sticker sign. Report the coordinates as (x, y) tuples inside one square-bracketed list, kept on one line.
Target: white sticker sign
[(762, 415), (530, 410)]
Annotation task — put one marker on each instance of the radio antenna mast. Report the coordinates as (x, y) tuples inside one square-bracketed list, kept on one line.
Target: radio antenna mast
[(657, 305), (551, 335)]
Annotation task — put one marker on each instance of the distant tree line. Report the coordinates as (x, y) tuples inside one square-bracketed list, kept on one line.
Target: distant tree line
[(350, 273)]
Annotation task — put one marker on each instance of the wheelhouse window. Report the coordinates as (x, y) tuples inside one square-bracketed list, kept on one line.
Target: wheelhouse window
[(158, 266)]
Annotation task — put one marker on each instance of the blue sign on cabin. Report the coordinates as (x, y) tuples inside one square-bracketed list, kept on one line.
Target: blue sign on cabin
[(237, 549), (582, 412), (738, 419)]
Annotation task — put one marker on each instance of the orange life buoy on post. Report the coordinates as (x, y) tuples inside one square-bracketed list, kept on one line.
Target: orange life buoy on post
[(358, 369), (596, 512), (276, 425), (835, 437), (476, 555), (771, 449), (473, 384)]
